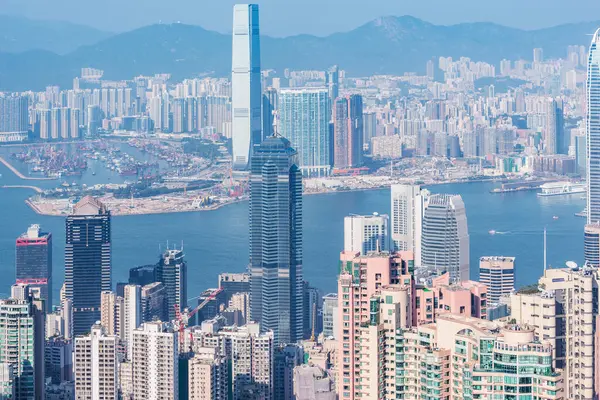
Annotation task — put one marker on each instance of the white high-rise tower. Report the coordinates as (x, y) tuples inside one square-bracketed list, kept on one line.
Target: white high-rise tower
[(246, 85), (593, 130), (406, 218)]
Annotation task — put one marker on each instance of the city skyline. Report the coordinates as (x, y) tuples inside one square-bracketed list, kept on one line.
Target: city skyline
[(403, 235)]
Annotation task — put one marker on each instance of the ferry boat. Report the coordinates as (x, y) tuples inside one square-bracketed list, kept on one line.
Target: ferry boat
[(561, 188)]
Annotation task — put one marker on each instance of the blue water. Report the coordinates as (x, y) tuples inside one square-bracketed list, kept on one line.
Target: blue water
[(217, 241)]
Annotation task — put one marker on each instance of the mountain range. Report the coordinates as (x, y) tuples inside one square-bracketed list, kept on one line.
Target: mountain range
[(18, 34), (387, 45)]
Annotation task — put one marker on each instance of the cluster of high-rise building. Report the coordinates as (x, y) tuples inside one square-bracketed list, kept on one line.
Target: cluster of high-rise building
[(407, 321)]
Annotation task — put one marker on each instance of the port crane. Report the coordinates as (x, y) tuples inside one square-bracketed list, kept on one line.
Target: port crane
[(182, 318)]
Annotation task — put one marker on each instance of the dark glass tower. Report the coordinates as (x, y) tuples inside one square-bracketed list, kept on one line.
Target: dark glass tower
[(171, 270), (87, 261), (276, 239), (34, 262)]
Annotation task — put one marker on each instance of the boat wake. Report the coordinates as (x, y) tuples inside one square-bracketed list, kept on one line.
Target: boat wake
[(494, 232)]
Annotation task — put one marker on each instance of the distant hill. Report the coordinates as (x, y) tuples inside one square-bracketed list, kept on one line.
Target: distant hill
[(387, 45), (18, 34)]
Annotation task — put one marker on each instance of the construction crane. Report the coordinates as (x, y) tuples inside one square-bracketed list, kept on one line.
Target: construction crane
[(182, 318)]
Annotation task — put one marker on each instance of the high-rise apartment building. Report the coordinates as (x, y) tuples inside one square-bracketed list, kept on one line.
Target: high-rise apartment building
[(408, 203), (440, 296), (172, 272), (132, 314), (347, 131), (246, 85), (445, 236), (207, 375), (498, 274), (155, 361), (22, 344), (564, 312), (362, 277), (96, 365), (366, 233), (112, 310), (34, 262), (276, 240), (87, 261), (14, 118), (304, 116), (593, 130), (249, 353)]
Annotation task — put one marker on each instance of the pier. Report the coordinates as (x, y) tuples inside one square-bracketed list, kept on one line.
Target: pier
[(19, 174), (37, 189)]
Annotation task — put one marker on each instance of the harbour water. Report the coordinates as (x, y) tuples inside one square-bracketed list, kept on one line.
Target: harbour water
[(217, 241)]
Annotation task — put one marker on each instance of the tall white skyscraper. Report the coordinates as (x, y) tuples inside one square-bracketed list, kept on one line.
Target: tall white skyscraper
[(406, 218), (133, 314), (155, 362), (445, 236), (366, 233), (593, 130), (246, 88)]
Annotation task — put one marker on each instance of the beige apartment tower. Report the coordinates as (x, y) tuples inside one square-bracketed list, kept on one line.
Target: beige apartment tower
[(96, 366), (155, 360)]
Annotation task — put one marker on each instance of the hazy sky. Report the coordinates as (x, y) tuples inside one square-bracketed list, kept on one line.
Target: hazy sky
[(288, 17)]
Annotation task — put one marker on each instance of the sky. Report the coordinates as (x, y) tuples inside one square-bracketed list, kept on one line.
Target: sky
[(291, 17)]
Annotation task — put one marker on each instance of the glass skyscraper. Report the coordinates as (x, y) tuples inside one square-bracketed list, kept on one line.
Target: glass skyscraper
[(172, 272), (593, 130), (445, 236), (246, 87), (276, 239), (87, 261), (34, 262), (304, 116)]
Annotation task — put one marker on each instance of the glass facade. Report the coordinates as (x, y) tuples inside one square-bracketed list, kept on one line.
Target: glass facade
[(172, 272), (87, 261), (246, 84), (34, 262), (276, 240), (445, 236), (593, 130), (304, 116)]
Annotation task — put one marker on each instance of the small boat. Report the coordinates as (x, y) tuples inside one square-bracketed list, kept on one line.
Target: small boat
[(492, 232), (555, 217)]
